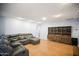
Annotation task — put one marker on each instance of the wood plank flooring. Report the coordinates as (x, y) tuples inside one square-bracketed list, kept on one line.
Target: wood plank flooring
[(50, 48)]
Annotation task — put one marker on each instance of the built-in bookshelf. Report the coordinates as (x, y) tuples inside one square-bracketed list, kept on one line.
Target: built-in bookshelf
[(60, 34)]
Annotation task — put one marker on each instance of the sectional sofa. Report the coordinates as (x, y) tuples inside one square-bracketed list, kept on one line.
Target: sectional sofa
[(23, 39), (12, 45)]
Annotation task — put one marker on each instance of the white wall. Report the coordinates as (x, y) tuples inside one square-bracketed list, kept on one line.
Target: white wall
[(73, 23), (1, 25), (14, 26)]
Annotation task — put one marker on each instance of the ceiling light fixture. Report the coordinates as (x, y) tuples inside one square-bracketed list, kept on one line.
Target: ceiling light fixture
[(57, 16), (31, 20), (21, 18), (64, 3), (39, 22), (44, 18)]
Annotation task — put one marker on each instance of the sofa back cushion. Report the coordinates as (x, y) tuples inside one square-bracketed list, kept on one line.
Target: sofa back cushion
[(28, 36)]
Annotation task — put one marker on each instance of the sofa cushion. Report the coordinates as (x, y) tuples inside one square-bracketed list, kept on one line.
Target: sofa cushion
[(24, 41), (5, 50), (12, 40), (20, 51), (19, 38), (15, 44), (35, 40), (28, 36)]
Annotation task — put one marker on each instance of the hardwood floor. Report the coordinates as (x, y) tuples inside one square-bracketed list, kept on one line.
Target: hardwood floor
[(49, 48)]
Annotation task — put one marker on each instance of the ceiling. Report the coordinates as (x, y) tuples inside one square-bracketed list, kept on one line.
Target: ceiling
[(37, 11)]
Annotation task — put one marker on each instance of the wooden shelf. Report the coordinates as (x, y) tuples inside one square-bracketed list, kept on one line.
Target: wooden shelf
[(60, 34)]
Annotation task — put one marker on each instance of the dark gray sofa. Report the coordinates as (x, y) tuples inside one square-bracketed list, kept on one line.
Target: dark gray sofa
[(17, 49), (12, 45), (24, 39)]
